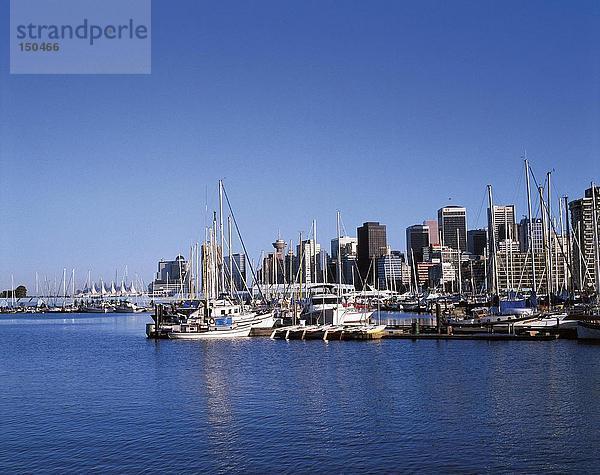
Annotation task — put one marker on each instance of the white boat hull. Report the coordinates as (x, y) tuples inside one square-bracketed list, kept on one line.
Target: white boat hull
[(208, 335)]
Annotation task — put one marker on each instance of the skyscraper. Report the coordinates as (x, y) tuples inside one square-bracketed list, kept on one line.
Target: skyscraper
[(586, 255), (452, 223), (348, 248), (537, 233), (238, 274), (434, 235), (476, 241), (417, 237), (372, 243), (504, 224)]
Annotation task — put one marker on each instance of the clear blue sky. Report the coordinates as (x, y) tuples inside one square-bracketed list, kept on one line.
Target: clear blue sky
[(384, 110)]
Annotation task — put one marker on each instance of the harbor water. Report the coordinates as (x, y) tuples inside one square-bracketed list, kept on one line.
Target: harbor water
[(91, 393)]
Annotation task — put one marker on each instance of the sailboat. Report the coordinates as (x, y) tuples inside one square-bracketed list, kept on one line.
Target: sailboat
[(217, 315)]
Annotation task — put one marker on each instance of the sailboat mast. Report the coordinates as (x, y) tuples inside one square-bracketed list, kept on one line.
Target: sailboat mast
[(230, 255), (314, 253), (221, 262), (545, 239), (493, 262), (530, 227), (550, 240), (339, 253), (459, 263)]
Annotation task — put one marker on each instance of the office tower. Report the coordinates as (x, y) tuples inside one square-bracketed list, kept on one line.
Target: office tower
[(504, 224), (537, 233), (392, 271), (307, 258), (452, 223), (417, 237), (586, 255), (171, 278), (238, 274), (348, 248), (476, 241), (372, 243), (434, 235)]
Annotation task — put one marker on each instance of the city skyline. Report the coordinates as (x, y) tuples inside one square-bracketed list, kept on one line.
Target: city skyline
[(382, 112)]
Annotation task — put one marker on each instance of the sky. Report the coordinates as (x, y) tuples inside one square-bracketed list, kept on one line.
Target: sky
[(383, 110)]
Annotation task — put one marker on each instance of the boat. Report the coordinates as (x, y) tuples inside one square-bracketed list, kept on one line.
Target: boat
[(128, 307), (588, 330), (205, 320), (100, 307)]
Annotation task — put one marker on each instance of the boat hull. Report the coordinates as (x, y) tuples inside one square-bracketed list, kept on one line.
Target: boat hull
[(209, 335), (588, 331)]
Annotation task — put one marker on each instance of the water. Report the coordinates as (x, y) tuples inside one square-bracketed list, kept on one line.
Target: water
[(90, 393)]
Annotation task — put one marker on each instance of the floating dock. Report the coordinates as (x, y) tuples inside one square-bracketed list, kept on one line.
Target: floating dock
[(329, 332)]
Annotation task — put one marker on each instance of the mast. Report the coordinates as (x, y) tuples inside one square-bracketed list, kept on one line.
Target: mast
[(231, 289), (530, 227), (545, 239), (339, 253), (64, 285), (459, 263), (300, 258), (493, 262), (569, 249), (221, 262), (550, 240), (314, 253)]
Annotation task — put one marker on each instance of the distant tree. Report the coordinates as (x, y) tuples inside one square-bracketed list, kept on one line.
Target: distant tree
[(21, 291)]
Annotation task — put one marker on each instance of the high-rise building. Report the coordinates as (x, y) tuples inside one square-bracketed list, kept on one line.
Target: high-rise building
[(392, 271), (586, 255), (417, 238), (434, 235), (348, 247), (452, 223), (238, 274), (307, 255), (537, 234), (476, 241), (372, 243), (504, 226), (172, 277)]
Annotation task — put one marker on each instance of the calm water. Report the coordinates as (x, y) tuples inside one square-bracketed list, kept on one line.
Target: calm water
[(92, 394)]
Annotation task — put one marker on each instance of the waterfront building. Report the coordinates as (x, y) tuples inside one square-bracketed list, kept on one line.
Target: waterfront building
[(172, 278), (372, 243), (585, 225), (452, 223), (417, 238), (393, 273), (477, 242)]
